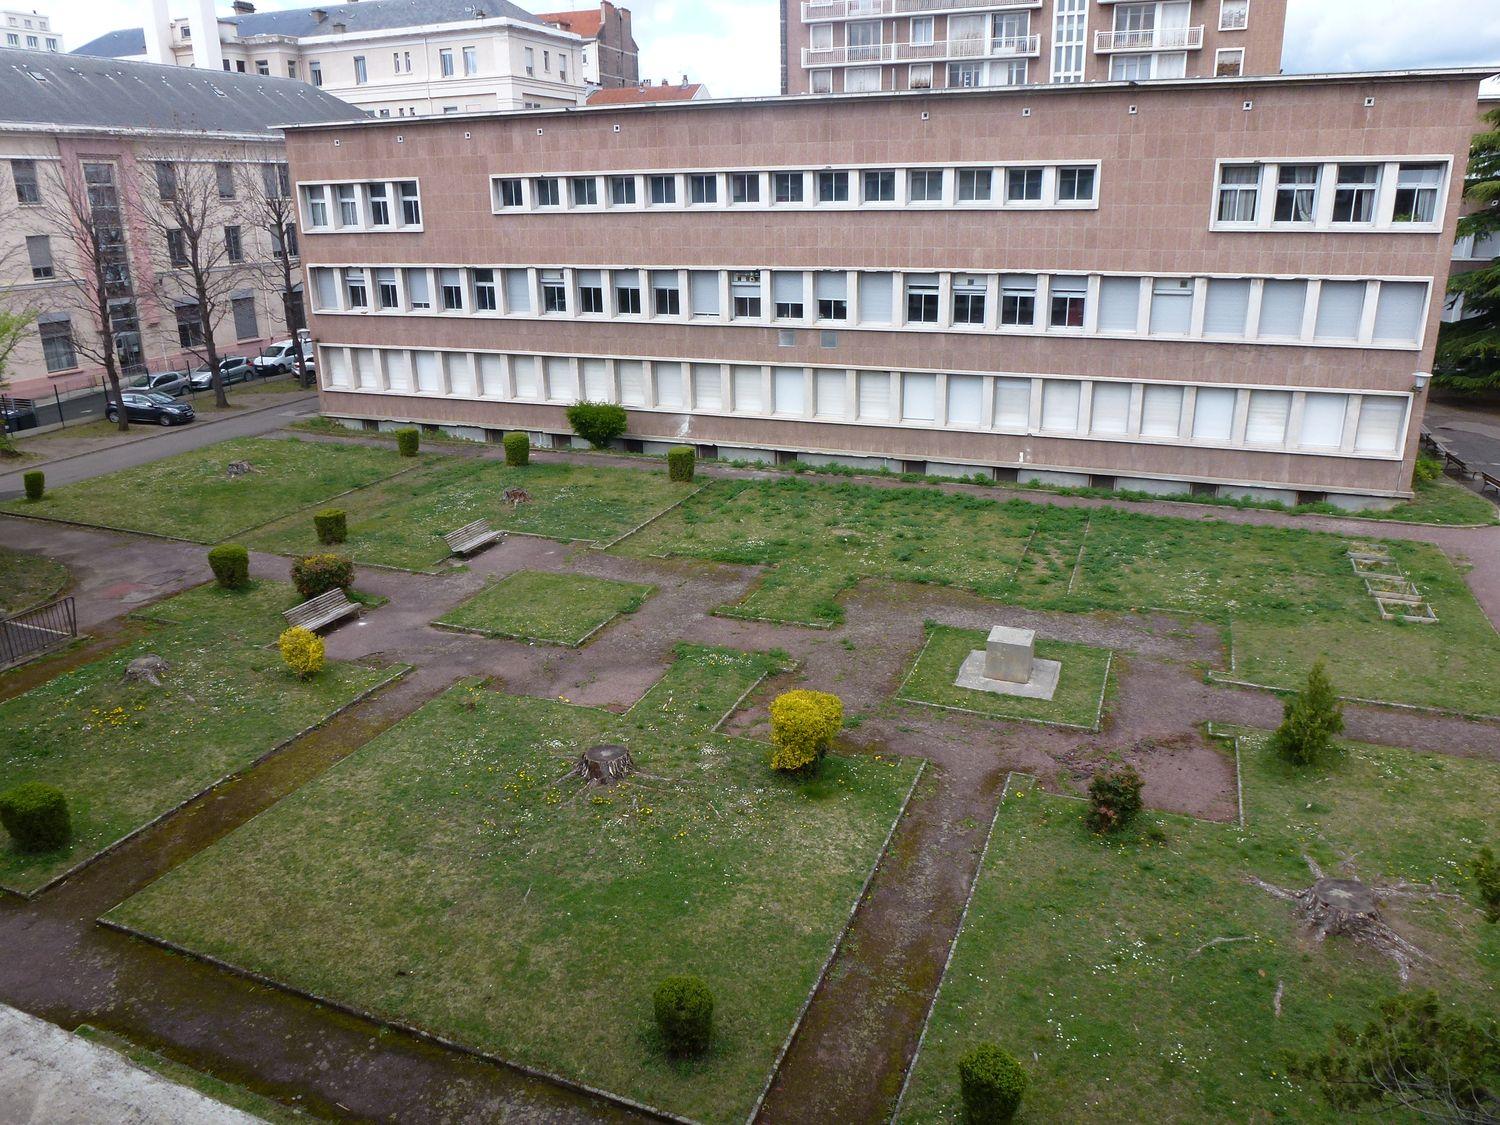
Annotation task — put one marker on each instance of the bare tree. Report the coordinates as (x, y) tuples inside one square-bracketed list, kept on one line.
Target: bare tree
[(268, 206), (190, 206)]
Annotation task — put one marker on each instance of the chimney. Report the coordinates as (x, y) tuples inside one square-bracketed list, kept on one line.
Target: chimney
[(208, 52), (319, 15), (159, 34), (242, 8), (684, 80), (339, 28)]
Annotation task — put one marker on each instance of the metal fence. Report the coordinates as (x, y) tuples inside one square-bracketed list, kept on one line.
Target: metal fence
[(34, 631)]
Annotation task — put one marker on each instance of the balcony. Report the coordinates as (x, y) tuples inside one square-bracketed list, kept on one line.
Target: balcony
[(815, 11), (1016, 47), (1149, 39)]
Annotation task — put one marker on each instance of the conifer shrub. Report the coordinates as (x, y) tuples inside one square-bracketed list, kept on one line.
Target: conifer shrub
[(803, 727), (517, 450), (684, 1009), (992, 1084), (317, 574), (35, 483), (332, 526), (1310, 720), (231, 566), (1114, 798), (681, 461), (408, 441), (36, 816)]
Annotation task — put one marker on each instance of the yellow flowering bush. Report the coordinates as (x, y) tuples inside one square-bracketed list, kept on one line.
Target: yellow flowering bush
[(302, 650), (803, 726)]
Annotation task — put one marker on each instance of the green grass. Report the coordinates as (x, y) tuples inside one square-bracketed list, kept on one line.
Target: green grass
[(126, 753), (1081, 951), (1440, 501), (27, 580), (1289, 596), (227, 1093), (1078, 701), (558, 609), (401, 523), (490, 899), (190, 497)]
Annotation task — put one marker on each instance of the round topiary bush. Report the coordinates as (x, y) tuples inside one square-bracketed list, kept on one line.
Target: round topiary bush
[(803, 726), (684, 1014), (331, 525), (35, 483), (317, 574), (231, 566), (36, 816), (517, 450), (598, 423), (680, 463), (408, 440), (992, 1082), (301, 651)]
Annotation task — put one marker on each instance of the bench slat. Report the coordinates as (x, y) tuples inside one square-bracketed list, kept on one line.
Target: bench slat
[(471, 537), (321, 610)]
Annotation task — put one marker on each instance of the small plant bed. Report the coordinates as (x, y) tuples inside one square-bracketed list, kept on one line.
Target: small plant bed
[(401, 523), (1078, 701), (556, 609), (27, 580), (124, 750), (1144, 975), (201, 497), (497, 897)]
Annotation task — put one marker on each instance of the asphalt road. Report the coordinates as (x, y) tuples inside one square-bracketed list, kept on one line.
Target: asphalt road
[(156, 443), (1471, 432)]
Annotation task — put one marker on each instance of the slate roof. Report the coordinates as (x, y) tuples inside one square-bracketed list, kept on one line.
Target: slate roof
[(43, 88), (364, 15)]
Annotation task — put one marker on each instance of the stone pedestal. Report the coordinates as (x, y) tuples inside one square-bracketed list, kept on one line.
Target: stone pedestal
[(1008, 654)]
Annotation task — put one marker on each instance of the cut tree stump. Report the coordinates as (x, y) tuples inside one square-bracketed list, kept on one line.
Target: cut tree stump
[(236, 469), (604, 764), (148, 669)]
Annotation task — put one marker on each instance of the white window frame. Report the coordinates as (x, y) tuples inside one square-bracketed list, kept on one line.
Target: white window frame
[(1385, 195)]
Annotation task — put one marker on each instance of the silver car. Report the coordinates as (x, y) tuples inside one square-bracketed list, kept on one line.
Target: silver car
[(174, 383)]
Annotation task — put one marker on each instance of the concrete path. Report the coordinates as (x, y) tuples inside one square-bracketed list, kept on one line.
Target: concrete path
[(51, 1077), (1471, 431)]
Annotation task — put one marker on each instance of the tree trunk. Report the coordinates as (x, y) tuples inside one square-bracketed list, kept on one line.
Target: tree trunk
[(205, 325), (111, 363), (288, 304)]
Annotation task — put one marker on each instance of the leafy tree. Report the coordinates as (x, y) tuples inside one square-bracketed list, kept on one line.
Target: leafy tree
[(1310, 720), (1468, 351), (1416, 1057)]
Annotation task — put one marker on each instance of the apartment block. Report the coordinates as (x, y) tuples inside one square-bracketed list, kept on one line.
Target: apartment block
[(394, 58), (609, 56), (28, 31), (858, 46), (82, 146), (1226, 286)]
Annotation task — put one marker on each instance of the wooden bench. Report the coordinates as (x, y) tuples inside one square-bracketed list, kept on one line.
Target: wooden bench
[(472, 536), (1487, 482), (321, 610)]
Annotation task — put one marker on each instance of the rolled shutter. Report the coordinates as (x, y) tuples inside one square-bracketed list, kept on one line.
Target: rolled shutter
[(632, 375), (1266, 418), (1398, 314), (748, 398), (1161, 411), (1227, 307), (596, 383), (708, 386), (789, 388), (1281, 307), (875, 298), (830, 387), (1339, 309), (668, 384), (703, 287), (1323, 421), (919, 398), (1012, 404), (398, 370), (517, 291), (523, 371), (1060, 405), (1110, 410), (1213, 416), (1119, 304), (965, 400), (875, 395), (491, 375), (1379, 427), (427, 371)]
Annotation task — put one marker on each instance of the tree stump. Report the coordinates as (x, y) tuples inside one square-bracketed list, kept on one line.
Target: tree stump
[(148, 669), (604, 764), (236, 469)]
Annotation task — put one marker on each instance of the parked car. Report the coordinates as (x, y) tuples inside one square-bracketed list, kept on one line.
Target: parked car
[(17, 414), (151, 406), (173, 383), (280, 357), (232, 369)]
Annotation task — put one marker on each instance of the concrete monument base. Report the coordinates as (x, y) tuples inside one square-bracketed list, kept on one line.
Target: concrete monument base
[(1041, 685)]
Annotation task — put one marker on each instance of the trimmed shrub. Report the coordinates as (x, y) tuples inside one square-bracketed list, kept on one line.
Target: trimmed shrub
[(231, 566), (1114, 798), (35, 483), (992, 1083), (517, 450), (317, 574), (36, 816), (1486, 869), (301, 651), (331, 525), (408, 440), (598, 423), (803, 726), (684, 1010), (1310, 719), (681, 461)]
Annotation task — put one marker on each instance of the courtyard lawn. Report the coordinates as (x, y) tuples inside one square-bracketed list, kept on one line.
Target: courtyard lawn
[(1440, 501), (126, 753), (1087, 958), (1288, 596), (401, 522), (493, 900), (27, 580), (191, 497), (1078, 701), (558, 609)]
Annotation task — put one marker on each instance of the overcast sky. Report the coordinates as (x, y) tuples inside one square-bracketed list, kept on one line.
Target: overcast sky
[(733, 45)]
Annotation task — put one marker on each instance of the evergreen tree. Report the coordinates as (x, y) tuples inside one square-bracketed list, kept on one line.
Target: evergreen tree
[(1468, 351), (1310, 721)]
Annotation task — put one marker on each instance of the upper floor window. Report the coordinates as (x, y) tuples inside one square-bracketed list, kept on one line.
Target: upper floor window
[(545, 192), (508, 192), (1354, 196), (622, 191), (531, 61), (1297, 193), (445, 63), (315, 72), (703, 188), (1417, 187), (744, 187), (317, 206), (24, 174), (554, 292), (833, 187), (880, 186), (471, 61), (921, 298), (663, 189), (348, 200), (926, 185), (361, 74), (1069, 295), (787, 187), (974, 185), (1239, 192), (380, 206), (411, 204), (1234, 15), (1023, 185), (1075, 185), (585, 191)]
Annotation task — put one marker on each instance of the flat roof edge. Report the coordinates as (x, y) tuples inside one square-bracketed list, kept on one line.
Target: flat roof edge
[(1449, 74)]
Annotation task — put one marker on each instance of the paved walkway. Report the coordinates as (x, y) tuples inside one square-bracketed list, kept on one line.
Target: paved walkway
[(1470, 431), (51, 1077)]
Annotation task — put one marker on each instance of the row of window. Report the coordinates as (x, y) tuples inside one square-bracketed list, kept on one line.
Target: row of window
[(275, 180), (1381, 313), (59, 353), (1376, 195), (384, 205), (1168, 413), (997, 186)]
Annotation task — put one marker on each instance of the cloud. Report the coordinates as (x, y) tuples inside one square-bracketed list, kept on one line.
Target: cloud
[(1333, 35)]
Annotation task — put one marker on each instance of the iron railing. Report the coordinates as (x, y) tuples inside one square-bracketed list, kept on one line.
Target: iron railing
[(37, 630)]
